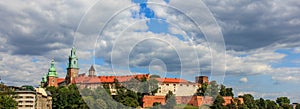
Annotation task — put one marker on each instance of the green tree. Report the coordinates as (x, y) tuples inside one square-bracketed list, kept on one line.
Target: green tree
[(226, 91), (223, 90), (286, 106), (7, 102), (212, 89), (154, 76), (249, 101), (202, 89), (282, 100), (218, 103), (261, 103), (170, 100), (66, 97), (229, 92), (271, 104), (298, 106), (6, 98)]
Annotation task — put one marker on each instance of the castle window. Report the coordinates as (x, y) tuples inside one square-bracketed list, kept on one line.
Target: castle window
[(174, 84), (74, 62), (167, 84)]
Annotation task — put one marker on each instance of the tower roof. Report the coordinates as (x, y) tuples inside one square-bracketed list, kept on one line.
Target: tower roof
[(73, 60), (52, 70), (44, 79), (92, 68)]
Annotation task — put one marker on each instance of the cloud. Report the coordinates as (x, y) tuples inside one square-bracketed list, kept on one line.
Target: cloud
[(244, 80), (249, 25)]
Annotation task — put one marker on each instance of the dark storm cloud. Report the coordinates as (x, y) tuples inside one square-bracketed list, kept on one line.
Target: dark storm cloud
[(250, 25)]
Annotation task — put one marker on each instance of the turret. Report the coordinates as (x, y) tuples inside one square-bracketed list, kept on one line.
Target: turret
[(92, 71), (72, 70)]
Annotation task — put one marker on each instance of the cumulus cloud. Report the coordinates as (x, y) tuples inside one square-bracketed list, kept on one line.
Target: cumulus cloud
[(244, 79)]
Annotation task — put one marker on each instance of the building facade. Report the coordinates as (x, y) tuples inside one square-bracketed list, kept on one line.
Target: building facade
[(29, 98)]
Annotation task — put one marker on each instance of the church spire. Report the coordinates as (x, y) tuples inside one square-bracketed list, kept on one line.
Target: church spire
[(52, 70), (73, 60)]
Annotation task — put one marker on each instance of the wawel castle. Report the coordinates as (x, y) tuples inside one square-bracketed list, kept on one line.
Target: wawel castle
[(183, 89)]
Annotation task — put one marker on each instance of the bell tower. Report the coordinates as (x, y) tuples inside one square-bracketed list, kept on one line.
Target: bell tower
[(72, 70), (52, 76)]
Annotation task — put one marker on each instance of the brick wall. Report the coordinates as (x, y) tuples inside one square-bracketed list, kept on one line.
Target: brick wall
[(191, 100)]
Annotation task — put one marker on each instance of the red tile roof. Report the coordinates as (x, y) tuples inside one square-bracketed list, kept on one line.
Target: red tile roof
[(108, 79), (171, 80), (59, 80)]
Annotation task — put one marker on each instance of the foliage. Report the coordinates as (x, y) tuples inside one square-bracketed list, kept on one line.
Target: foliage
[(170, 100), (7, 101), (282, 100), (218, 103), (271, 104), (202, 89), (212, 89), (154, 76), (249, 101), (298, 106), (226, 91), (261, 103), (6, 98), (66, 97)]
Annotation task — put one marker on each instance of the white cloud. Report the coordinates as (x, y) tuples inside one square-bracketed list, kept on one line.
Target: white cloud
[(244, 79)]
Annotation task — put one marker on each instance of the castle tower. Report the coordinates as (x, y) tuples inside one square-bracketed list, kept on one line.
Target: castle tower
[(201, 79), (52, 75), (92, 71), (72, 70), (44, 81)]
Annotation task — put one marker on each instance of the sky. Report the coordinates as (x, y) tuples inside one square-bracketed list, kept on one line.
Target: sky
[(249, 45)]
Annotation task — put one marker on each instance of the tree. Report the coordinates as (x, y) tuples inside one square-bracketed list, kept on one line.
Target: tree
[(223, 90), (7, 102), (249, 101), (282, 100), (229, 92), (6, 98), (271, 104), (202, 89), (298, 106), (212, 89), (67, 97), (286, 106), (226, 91), (218, 103), (170, 100), (154, 76), (261, 103)]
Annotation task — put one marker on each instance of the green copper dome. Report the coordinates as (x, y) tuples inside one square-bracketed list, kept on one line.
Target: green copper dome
[(44, 79), (73, 60), (52, 70)]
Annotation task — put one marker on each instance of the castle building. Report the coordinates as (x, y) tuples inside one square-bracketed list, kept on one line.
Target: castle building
[(51, 79), (183, 89)]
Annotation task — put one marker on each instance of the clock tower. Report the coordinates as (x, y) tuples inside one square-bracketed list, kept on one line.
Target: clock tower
[(72, 70)]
